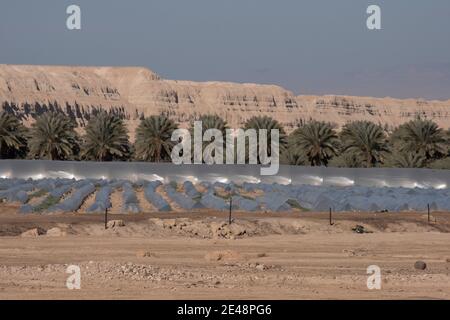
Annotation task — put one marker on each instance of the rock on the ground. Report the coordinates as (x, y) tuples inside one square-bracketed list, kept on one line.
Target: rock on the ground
[(144, 254), (36, 232), (227, 231), (261, 255), (261, 267), (223, 256), (156, 221), (56, 232), (115, 224), (420, 265)]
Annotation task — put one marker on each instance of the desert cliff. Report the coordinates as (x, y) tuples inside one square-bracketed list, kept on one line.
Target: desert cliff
[(134, 92)]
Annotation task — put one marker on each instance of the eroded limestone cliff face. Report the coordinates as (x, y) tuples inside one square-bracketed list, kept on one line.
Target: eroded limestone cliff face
[(133, 93), (388, 112)]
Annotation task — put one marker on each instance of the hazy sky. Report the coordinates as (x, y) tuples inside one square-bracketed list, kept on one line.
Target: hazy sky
[(309, 47)]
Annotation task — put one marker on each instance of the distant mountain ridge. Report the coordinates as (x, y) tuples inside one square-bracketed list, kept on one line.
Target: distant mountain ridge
[(134, 92)]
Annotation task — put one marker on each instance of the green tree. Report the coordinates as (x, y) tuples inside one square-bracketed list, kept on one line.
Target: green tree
[(153, 139), (442, 164), (106, 138), (365, 140), (346, 160), (293, 157), (318, 141), (267, 123), (399, 159), (211, 122), (422, 137), (13, 137), (53, 137)]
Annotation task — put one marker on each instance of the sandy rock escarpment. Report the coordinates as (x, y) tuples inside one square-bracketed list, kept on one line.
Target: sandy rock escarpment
[(134, 92)]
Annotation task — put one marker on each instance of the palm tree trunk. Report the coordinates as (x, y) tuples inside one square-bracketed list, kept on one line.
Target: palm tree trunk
[(369, 160), (158, 154)]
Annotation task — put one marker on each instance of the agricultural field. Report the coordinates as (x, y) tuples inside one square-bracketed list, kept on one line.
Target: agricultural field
[(175, 241), (47, 196)]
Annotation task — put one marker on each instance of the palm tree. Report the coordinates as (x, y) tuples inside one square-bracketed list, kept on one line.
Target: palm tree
[(53, 137), (406, 160), (212, 122), (366, 140), (153, 139), (293, 157), (423, 137), (13, 140), (317, 140), (106, 138), (346, 160), (442, 164), (267, 123)]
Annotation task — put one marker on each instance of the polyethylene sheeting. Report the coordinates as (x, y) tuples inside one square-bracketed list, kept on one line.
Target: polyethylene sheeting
[(129, 198), (135, 171), (155, 199), (102, 201)]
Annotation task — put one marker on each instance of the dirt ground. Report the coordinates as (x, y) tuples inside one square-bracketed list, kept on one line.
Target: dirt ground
[(197, 255)]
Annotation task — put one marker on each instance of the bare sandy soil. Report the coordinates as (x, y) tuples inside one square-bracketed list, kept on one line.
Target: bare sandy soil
[(199, 256)]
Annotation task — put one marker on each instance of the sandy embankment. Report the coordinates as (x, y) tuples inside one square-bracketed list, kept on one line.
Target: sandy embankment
[(295, 256)]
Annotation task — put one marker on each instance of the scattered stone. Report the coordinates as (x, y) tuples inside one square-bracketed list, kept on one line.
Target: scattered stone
[(350, 253), (360, 229), (170, 223), (420, 265), (261, 255), (36, 232), (358, 252), (261, 267), (115, 224), (56, 232), (223, 256), (144, 254), (157, 222), (227, 231)]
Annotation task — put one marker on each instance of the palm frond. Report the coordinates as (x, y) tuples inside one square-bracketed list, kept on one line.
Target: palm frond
[(106, 138), (153, 139), (53, 137), (317, 141)]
